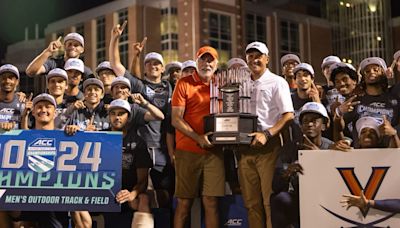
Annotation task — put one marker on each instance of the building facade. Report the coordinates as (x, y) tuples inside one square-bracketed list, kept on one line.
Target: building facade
[(361, 28), (177, 28)]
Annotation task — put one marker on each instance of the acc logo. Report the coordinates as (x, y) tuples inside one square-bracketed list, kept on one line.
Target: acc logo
[(234, 222), (7, 111), (41, 153)]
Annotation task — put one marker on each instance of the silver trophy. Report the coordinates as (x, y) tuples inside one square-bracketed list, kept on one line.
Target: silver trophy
[(230, 117)]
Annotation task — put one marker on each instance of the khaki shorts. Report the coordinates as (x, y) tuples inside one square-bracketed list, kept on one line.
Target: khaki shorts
[(199, 174)]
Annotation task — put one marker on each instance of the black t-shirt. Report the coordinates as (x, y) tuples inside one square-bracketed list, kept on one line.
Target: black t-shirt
[(71, 99), (395, 90), (159, 94), (298, 103), (134, 153), (107, 98), (61, 119), (134, 156), (81, 117), (373, 106)]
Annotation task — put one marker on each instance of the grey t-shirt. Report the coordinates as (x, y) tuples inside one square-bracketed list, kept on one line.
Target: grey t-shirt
[(11, 112)]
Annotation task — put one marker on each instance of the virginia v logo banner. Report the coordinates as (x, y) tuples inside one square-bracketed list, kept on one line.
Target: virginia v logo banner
[(329, 174)]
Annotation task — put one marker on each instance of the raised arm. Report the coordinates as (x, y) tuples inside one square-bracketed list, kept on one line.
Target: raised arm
[(114, 55), (135, 65), (36, 67), (153, 113)]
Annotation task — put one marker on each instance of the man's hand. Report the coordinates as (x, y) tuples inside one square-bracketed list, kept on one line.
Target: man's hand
[(389, 71), (7, 126), (348, 106), (124, 196), (292, 170), (203, 142), (79, 105), (259, 139), (21, 96), (91, 126), (313, 93), (138, 47), (54, 46), (138, 98), (386, 128), (28, 105), (308, 144), (341, 145), (357, 201), (117, 30), (71, 129)]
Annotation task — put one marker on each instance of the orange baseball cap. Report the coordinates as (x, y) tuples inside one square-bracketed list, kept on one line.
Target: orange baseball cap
[(207, 49)]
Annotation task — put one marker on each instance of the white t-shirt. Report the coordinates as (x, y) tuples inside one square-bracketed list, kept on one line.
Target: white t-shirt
[(270, 98)]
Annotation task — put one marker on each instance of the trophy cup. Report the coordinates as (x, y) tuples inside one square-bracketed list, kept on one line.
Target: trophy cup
[(232, 122)]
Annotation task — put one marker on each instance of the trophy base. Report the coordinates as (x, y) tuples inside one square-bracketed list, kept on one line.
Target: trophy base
[(230, 128)]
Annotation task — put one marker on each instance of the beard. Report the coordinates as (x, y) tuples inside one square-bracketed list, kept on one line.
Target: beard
[(382, 79)]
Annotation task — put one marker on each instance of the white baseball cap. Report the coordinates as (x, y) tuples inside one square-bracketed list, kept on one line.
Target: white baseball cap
[(288, 57), (93, 81), (74, 64), (189, 63), (372, 60), (57, 72), (261, 47), (341, 64), (75, 36), (314, 107), (9, 68), (343, 67), (121, 80), (304, 66), (330, 60), (234, 61), (119, 103), (369, 122), (105, 65), (174, 64), (154, 55), (44, 97)]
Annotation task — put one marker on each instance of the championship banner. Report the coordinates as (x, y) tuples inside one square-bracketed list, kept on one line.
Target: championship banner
[(329, 174), (51, 171)]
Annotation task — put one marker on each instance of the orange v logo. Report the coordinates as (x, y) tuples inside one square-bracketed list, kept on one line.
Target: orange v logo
[(372, 186)]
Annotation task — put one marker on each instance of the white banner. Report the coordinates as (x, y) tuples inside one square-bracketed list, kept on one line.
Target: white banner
[(329, 174)]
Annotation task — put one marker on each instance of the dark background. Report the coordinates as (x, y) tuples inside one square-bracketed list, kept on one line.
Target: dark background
[(15, 15)]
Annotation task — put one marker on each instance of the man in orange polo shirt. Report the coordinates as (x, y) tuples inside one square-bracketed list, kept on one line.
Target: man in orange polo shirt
[(198, 170)]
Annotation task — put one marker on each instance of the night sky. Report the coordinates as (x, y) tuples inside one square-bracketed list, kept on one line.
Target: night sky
[(15, 15)]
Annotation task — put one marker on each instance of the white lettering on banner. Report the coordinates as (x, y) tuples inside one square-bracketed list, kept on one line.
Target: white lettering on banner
[(14, 154), (329, 174)]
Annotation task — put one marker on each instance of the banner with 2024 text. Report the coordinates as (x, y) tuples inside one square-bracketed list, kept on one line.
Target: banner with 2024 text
[(329, 174), (51, 171)]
